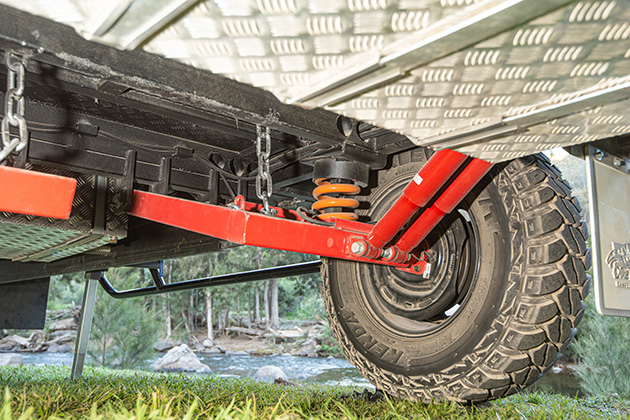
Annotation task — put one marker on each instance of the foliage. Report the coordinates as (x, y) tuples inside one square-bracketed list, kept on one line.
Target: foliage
[(122, 330), (65, 291), (35, 392), (329, 344), (604, 351), (310, 306)]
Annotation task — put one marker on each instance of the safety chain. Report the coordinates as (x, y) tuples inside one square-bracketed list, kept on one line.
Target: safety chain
[(14, 105), (263, 178)]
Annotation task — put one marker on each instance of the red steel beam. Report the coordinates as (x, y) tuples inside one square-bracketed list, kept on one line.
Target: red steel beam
[(417, 194), (444, 204), (36, 193), (248, 228)]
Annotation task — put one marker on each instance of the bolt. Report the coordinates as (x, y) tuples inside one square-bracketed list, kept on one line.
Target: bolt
[(388, 253), (416, 268), (357, 248), (618, 162), (599, 155)]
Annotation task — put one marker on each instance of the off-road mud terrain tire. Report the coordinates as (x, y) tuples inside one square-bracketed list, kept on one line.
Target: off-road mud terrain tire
[(519, 313)]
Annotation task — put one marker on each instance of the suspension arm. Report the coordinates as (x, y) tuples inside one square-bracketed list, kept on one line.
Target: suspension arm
[(240, 224)]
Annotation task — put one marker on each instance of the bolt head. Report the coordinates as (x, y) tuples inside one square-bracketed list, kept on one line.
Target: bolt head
[(357, 248), (599, 155), (416, 268), (388, 253)]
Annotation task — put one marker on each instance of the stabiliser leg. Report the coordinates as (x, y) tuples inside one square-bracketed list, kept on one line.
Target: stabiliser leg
[(85, 323)]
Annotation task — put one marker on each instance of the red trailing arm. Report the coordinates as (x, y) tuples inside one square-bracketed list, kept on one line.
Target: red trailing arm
[(242, 224), (245, 227)]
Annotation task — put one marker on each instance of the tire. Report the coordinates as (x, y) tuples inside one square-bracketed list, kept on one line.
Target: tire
[(499, 313)]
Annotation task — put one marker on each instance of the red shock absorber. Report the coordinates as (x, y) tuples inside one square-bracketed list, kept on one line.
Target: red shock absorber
[(331, 195), (337, 182), (427, 182)]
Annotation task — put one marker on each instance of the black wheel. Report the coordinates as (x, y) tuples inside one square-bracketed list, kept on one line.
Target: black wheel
[(501, 302)]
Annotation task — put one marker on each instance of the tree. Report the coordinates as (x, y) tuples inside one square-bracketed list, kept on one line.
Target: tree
[(273, 320), (604, 351), (123, 331)]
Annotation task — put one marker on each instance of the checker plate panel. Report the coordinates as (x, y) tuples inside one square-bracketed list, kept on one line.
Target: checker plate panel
[(281, 45), (32, 238)]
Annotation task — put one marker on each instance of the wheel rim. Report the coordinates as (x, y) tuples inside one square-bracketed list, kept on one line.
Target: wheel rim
[(412, 305)]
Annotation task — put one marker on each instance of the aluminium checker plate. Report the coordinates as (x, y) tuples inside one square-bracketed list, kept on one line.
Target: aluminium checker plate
[(557, 60), (31, 238)]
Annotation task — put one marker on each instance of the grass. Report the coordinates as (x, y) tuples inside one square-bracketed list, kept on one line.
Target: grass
[(46, 392)]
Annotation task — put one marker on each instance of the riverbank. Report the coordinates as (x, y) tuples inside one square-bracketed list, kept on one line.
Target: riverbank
[(296, 337), (47, 393)]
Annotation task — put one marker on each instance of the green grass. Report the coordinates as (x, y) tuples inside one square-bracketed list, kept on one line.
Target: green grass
[(35, 392)]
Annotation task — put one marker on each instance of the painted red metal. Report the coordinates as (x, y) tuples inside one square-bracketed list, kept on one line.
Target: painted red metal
[(417, 194), (242, 224), (248, 228), (36, 193), (444, 204)]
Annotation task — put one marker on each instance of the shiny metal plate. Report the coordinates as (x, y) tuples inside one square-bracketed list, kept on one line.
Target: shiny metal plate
[(609, 196), (31, 238), (446, 73)]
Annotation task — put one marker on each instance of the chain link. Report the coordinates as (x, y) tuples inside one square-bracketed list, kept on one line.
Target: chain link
[(264, 183), (14, 106)]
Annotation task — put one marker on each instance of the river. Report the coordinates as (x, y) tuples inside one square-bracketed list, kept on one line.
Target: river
[(325, 371)]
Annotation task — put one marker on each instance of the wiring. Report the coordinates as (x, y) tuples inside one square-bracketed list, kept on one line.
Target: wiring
[(306, 215)]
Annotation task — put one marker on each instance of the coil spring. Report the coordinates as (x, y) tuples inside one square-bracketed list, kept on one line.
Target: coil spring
[(325, 201)]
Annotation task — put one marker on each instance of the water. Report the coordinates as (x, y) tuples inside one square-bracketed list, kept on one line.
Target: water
[(324, 371), (317, 370)]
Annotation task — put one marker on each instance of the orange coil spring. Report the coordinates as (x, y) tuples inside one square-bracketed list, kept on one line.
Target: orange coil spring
[(325, 201)]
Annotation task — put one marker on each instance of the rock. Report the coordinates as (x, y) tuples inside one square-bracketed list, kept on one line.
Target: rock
[(180, 359), (212, 350), (280, 381), (222, 349), (60, 348), (557, 369), (236, 353), (269, 374), (63, 324), (207, 343), (315, 331), (308, 347), (11, 360), (198, 347), (13, 342), (163, 345)]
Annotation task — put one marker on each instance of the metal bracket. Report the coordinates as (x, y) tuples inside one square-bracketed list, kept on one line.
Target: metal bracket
[(609, 196)]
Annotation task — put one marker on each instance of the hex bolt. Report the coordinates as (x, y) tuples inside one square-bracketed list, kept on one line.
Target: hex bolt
[(357, 248), (388, 253), (618, 162), (599, 155), (416, 268)]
